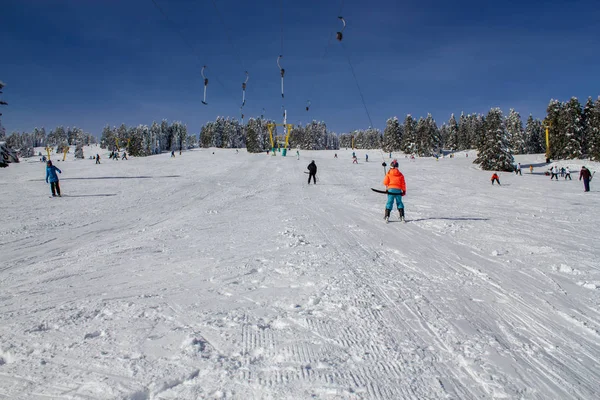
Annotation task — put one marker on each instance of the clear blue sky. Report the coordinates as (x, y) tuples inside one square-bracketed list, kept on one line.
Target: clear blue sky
[(87, 63)]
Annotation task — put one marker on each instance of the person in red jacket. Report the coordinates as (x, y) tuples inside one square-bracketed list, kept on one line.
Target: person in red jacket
[(495, 178), (396, 188)]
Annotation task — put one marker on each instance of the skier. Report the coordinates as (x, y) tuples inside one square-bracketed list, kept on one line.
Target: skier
[(297, 154), (366, 158), (495, 178), (587, 177), (52, 178), (396, 187), (568, 174), (335, 155), (562, 172), (518, 170), (312, 172), (554, 171), (124, 156), (97, 159), (354, 160), (173, 153), (531, 169)]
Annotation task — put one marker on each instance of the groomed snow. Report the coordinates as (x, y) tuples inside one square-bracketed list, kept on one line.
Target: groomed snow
[(226, 276)]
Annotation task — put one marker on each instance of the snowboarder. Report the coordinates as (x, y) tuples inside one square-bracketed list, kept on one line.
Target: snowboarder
[(97, 159), (587, 177), (496, 178), (518, 170), (312, 172), (52, 178), (396, 188), (568, 174)]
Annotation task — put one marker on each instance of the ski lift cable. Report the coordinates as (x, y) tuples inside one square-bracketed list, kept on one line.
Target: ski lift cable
[(311, 92), (187, 43)]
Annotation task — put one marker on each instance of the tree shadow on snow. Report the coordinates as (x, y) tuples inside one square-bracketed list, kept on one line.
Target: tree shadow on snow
[(451, 219)]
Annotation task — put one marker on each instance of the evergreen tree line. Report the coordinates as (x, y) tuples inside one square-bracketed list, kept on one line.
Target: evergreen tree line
[(59, 138), (142, 140)]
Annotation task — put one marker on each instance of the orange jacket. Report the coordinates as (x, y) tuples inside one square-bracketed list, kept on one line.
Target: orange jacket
[(495, 176), (395, 180)]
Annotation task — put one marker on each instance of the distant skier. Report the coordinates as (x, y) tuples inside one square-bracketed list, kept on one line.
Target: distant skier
[(562, 172), (366, 158), (335, 155), (52, 178), (554, 172), (568, 174), (297, 154), (312, 172), (97, 159), (586, 175), (531, 169), (518, 170), (495, 178), (124, 156), (354, 160), (396, 188), (173, 153)]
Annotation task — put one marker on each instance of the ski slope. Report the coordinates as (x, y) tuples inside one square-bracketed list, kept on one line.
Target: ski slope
[(226, 276)]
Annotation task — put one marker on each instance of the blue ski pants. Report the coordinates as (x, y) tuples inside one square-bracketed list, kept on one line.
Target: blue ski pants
[(394, 194)]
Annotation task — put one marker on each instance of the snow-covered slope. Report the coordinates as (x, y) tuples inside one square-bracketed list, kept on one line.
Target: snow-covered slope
[(226, 276)]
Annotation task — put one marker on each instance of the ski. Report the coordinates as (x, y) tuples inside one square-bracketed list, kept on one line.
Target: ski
[(380, 191)]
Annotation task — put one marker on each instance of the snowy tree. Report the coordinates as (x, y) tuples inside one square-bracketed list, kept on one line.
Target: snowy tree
[(462, 136), (452, 139), (554, 123), (392, 135), (2, 103), (588, 110), (108, 137), (571, 121), (534, 137), (495, 155), (593, 131), (514, 128), (476, 131), (79, 150), (409, 138)]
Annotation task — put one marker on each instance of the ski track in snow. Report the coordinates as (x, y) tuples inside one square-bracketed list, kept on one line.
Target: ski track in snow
[(227, 276)]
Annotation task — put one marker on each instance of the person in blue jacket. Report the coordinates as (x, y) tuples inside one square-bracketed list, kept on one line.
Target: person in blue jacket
[(52, 178)]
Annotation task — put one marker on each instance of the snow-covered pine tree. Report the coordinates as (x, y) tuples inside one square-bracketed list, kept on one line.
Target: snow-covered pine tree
[(514, 128), (409, 138), (462, 136), (555, 126), (593, 131), (495, 155), (79, 150), (452, 140), (443, 135), (587, 111), (392, 135), (571, 116), (533, 143)]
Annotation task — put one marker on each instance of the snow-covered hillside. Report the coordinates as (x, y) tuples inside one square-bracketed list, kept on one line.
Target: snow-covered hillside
[(224, 275)]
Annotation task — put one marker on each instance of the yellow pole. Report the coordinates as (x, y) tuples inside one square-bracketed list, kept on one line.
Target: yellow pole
[(548, 141), (270, 127), (65, 155), (48, 151), (287, 137)]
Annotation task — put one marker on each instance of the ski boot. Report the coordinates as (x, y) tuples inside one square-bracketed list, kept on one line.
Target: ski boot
[(401, 215), (387, 215)]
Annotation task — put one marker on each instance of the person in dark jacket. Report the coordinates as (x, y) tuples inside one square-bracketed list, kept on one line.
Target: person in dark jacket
[(312, 172), (52, 178), (586, 175)]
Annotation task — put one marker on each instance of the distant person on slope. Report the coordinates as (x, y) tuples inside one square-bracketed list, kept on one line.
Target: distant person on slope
[(568, 174), (52, 178), (312, 172), (396, 188), (97, 159), (496, 178), (586, 175), (531, 169), (518, 170)]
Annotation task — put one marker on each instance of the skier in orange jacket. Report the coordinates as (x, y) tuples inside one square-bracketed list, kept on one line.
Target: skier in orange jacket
[(396, 188)]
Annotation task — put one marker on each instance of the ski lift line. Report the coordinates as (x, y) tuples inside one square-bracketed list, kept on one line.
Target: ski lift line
[(244, 90), (227, 33), (186, 42), (281, 22), (329, 40), (357, 84)]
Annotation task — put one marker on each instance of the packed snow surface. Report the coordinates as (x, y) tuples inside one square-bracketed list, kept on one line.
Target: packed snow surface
[(224, 275)]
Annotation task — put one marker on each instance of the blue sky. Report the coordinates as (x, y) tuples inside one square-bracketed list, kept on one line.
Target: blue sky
[(89, 63)]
